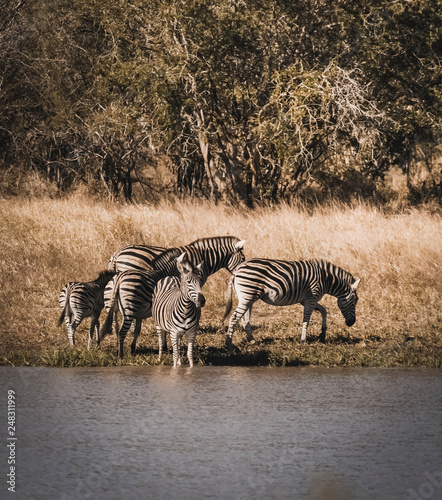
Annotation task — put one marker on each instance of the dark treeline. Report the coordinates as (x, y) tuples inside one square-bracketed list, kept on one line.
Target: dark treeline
[(246, 100)]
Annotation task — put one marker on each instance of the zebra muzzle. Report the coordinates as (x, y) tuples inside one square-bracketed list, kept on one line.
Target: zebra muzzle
[(201, 300), (350, 321)]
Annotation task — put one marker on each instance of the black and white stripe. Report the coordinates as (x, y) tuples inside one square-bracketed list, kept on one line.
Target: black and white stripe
[(134, 296), (282, 283), (138, 257), (219, 252), (132, 293), (176, 307), (216, 253), (83, 300)]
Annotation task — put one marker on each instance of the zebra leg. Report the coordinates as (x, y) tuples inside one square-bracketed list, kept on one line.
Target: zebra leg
[(323, 311), (164, 342), (91, 332), (179, 349), (97, 332), (190, 338), (122, 335), (136, 329), (236, 316), (74, 326), (308, 310), (161, 341), (176, 348), (245, 321)]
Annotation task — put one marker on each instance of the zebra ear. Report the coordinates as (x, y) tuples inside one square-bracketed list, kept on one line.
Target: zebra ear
[(240, 244), (355, 284), (200, 266)]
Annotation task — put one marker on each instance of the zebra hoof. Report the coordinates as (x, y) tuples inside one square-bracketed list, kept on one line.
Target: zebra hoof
[(231, 348)]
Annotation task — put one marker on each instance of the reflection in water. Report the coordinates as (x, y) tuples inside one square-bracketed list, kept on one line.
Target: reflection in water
[(226, 432)]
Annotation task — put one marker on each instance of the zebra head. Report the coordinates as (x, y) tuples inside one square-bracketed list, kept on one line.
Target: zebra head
[(347, 304), (191, 280), (236, 257)]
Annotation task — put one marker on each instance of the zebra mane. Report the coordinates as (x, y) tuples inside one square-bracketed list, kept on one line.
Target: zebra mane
[(334, 275)]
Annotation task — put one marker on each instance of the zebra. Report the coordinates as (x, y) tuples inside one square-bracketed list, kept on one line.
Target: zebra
[(282, 283), (134, 297), (176, 307), (83, 300), (142, 257)]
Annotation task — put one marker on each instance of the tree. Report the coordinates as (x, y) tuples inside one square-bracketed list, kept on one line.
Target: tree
[(247, 100)]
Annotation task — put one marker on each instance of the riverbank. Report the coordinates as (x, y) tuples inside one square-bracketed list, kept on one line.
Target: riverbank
[(267, 351), (46, 243)]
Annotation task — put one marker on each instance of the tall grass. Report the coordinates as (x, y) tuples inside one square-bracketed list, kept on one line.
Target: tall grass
[(45, 243)]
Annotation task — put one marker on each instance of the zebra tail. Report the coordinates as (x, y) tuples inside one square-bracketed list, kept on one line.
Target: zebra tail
[(229, 297), (67, 311), (107, 326)]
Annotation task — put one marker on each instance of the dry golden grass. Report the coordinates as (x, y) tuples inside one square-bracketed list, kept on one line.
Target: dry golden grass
[(45, 243)]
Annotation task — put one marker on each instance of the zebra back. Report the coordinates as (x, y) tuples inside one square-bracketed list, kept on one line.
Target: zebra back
[(138, 257)]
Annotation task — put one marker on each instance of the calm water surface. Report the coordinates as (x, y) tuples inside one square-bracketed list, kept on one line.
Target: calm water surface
[(225, 433)]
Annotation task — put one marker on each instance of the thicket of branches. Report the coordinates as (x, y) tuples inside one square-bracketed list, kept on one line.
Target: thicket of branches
[(248, 100)]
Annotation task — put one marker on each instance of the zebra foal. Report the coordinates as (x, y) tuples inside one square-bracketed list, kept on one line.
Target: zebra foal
[(283, 283), (83, 300), (176, 307)]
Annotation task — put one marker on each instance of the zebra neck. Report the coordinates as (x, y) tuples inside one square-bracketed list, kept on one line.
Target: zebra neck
[(169, 270), (185, 300), (336, 280)]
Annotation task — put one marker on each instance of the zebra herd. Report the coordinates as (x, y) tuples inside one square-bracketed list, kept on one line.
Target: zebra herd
[(144, 281)]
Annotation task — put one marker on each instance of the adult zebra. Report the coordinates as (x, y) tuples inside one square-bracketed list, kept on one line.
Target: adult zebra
[(83, 300), (142, 257), (176, 307), (282, 283), (131, 291)]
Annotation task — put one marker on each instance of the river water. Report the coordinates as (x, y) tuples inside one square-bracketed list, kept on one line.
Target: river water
[(224, 433)]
